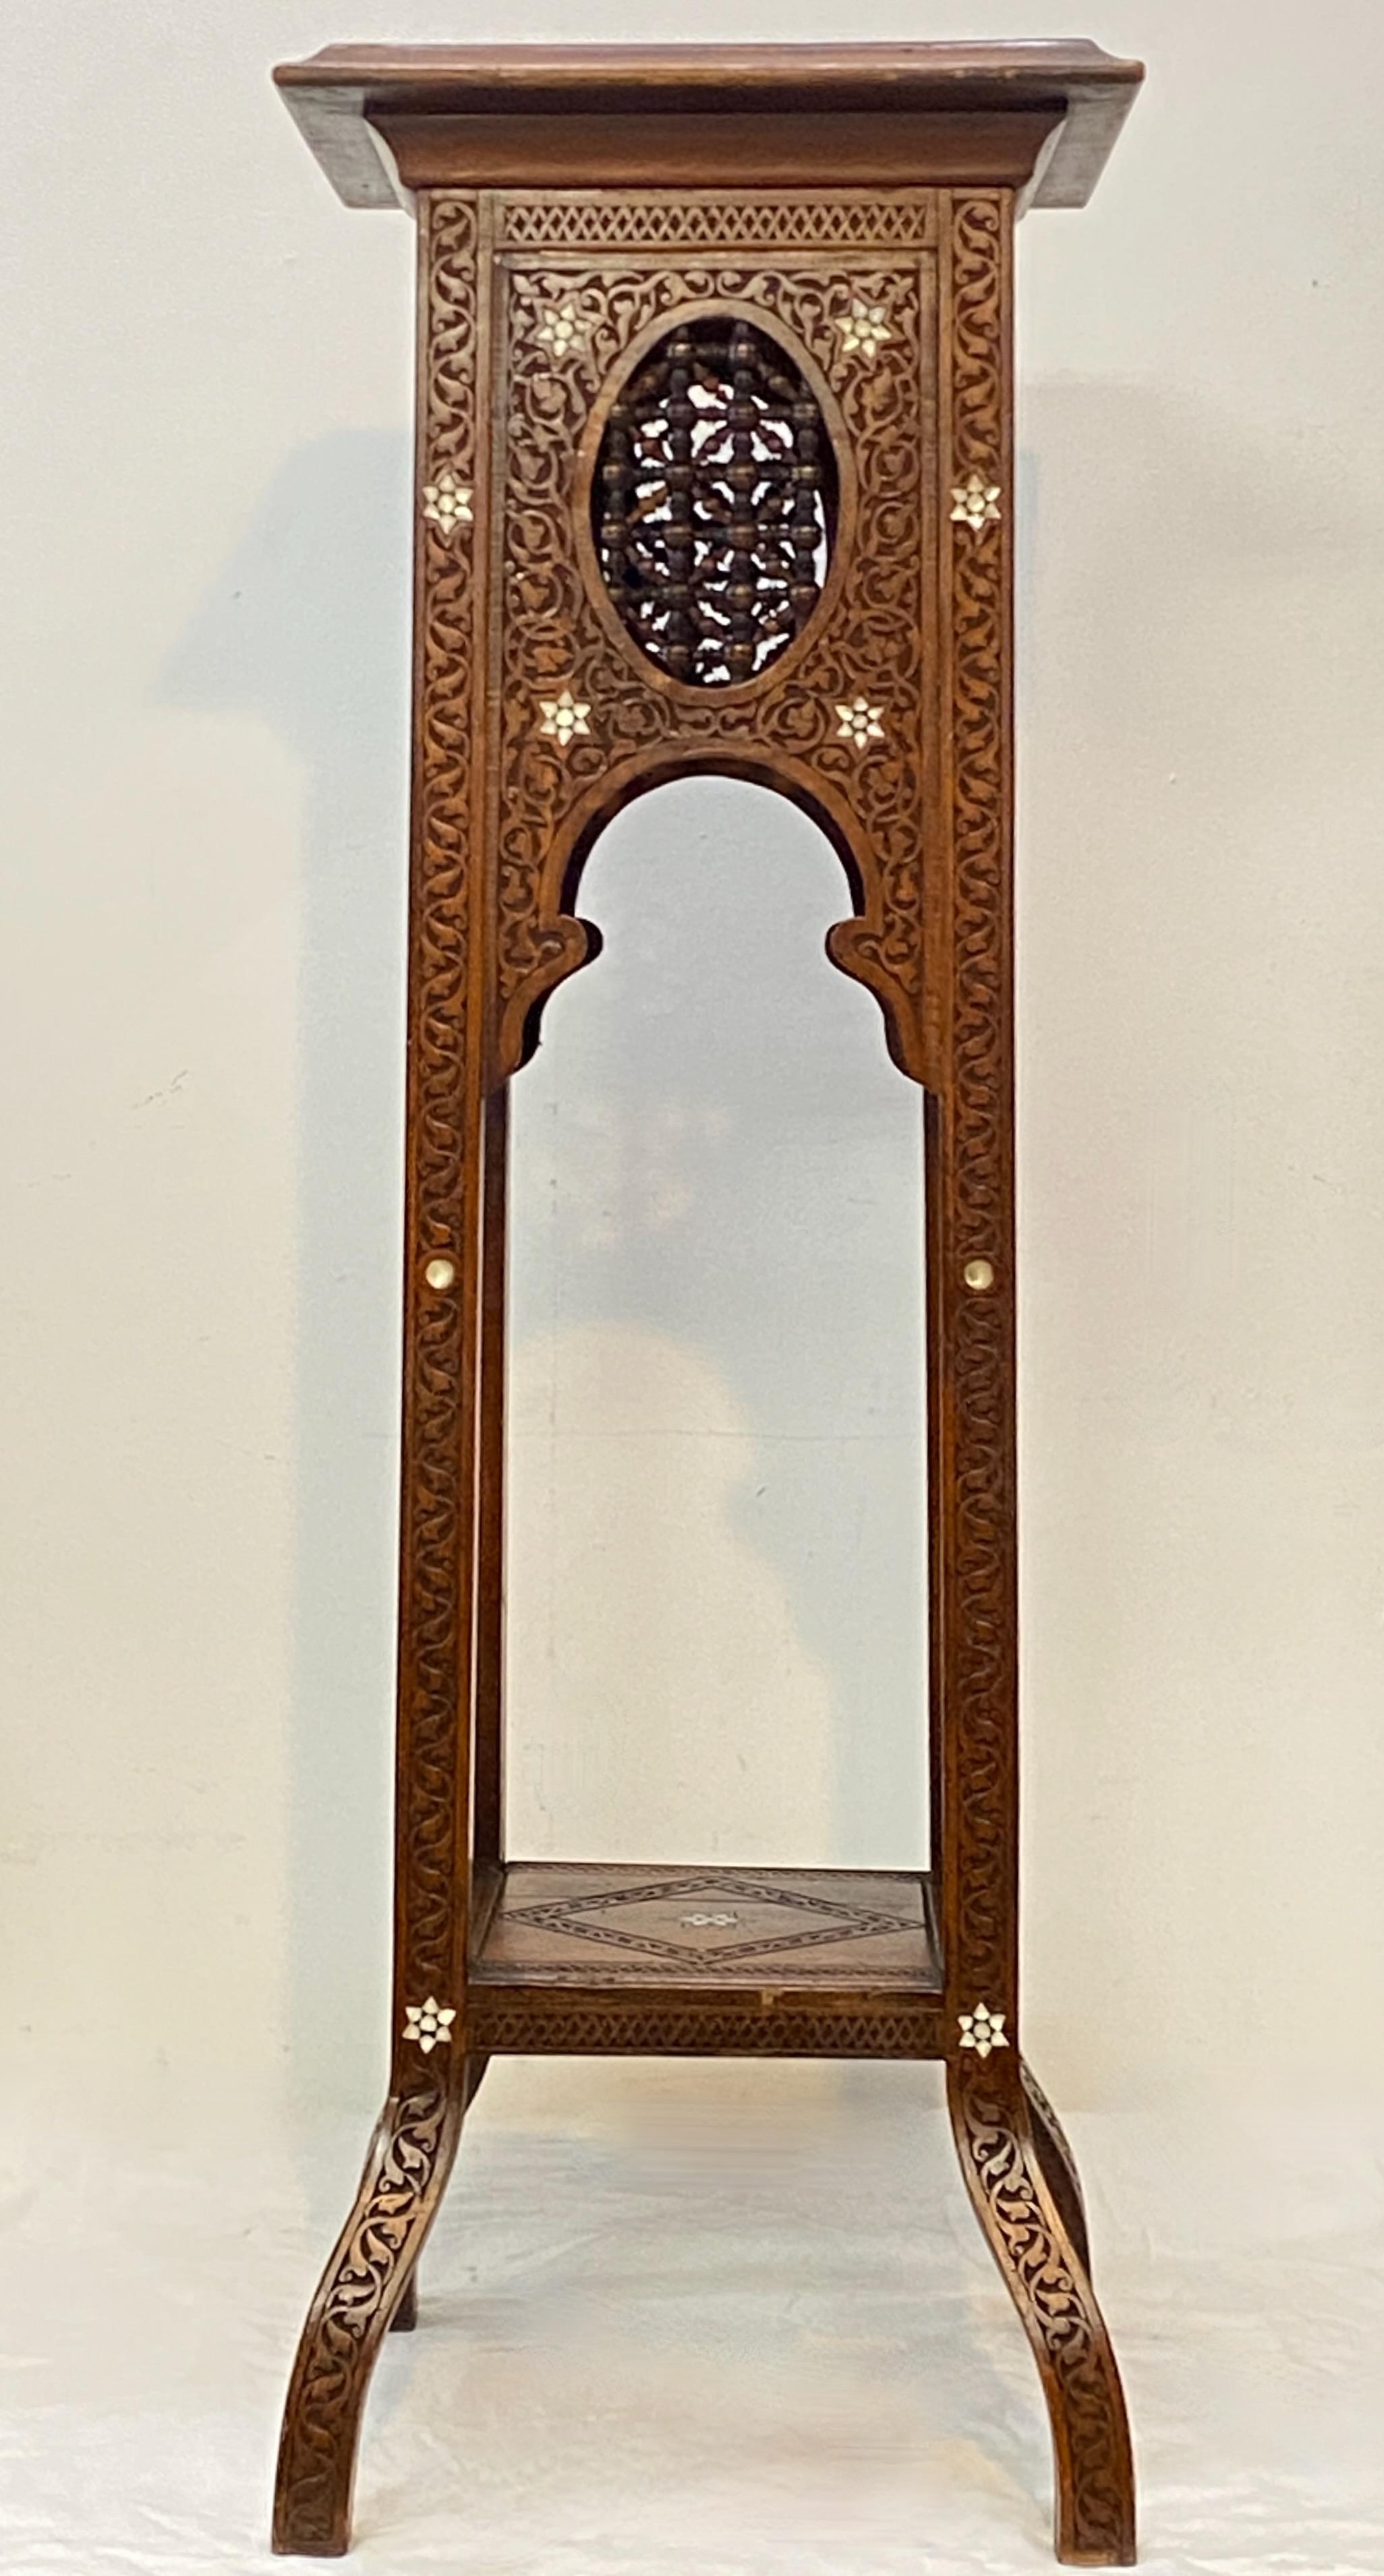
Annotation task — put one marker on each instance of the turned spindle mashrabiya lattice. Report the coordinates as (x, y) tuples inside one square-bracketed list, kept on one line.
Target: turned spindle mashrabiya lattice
[(714, 474)]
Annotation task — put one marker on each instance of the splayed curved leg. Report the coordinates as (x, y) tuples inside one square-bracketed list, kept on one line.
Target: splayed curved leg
[(405, 2317), (371, 2267), (1005, 2166), (1058, 2163)]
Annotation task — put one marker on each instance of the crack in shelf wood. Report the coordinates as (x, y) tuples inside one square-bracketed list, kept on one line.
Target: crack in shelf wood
[(620, 1927)]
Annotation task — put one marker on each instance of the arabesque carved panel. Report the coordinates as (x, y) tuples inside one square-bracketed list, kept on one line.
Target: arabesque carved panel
[(840, 722)]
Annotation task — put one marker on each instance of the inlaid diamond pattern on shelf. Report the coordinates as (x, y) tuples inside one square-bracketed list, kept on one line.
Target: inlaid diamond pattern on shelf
[(556, 1923)]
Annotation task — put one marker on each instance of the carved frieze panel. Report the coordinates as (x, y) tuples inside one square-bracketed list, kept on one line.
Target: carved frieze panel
[(838, 717)]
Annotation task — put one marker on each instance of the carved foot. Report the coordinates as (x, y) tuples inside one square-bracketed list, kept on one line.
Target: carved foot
[(368, 2275), (1006, 2153)]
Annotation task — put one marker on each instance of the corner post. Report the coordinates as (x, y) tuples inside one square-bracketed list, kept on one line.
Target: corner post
[(372, 2265), (1013, 2158)]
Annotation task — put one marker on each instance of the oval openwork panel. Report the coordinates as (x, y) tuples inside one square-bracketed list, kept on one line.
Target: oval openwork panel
[(713, 502)]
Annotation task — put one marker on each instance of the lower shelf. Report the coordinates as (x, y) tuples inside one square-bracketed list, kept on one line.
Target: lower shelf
[(562, 1923), (591, 1957)]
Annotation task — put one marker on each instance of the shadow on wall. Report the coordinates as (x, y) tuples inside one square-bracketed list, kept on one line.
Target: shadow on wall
[(1200, 949), (308, 628)]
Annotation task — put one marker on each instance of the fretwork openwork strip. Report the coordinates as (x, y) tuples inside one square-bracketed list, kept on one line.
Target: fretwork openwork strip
[(841, 221), (714, 500), (566, 2027)]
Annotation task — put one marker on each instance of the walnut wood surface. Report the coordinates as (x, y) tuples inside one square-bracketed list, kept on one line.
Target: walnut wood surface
[(560, 1923), (887, 717), (433, 151), (366, 2277), (489, 1760), (1046, 2271), (1058, 2163), (1075, 96), (602, 2020)]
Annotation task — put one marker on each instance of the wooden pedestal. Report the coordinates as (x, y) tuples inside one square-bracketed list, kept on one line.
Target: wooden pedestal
[(583, 217)]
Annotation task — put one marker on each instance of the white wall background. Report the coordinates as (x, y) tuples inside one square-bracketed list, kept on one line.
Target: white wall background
[(202, 672)]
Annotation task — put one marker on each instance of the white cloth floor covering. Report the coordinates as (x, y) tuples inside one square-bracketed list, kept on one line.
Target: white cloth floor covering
[(662, 2341)]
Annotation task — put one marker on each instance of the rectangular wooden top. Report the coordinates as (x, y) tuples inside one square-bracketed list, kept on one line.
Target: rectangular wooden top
[(344, 96)]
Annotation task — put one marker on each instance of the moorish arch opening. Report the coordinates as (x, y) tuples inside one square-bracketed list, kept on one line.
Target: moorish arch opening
[(716, 1432)]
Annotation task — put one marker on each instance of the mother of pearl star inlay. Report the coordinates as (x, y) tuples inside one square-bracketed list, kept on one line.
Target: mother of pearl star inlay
[(982, 2030), (429, 2023)]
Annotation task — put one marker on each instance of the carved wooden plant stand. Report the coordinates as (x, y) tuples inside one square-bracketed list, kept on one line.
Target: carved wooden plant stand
[(714, 473)]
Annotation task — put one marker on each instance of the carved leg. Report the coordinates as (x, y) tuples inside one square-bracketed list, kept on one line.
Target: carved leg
[(371, 2266), (1058, 2163), (1006, 2174), (405, 2317)]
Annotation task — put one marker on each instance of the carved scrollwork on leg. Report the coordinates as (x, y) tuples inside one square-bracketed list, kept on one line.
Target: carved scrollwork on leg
[(1058, 2163), (1049, 2282), (405, 2174)]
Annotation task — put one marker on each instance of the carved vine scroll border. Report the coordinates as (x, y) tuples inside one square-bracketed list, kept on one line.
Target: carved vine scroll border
[(436, 1516), (1051, 2289), (991, 2107), (981, 1673)]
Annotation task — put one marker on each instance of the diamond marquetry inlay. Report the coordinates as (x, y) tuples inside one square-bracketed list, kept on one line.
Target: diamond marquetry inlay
[(572, 1925)]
